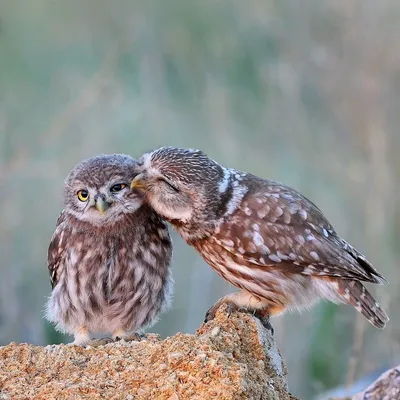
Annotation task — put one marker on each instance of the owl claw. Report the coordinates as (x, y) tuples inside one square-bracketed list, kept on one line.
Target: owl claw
[(232, 307), (211, 313), (99, 342), (265, 323), (264, 319), (134, 337)]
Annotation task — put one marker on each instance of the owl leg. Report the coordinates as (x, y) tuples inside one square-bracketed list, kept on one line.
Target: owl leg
[(81, 336), (243, 301)]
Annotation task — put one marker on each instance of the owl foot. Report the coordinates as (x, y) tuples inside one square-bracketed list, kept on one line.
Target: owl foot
[(82, 336), (264, 319), (134, 337), (99, 342), (212, 311), (231, 307)]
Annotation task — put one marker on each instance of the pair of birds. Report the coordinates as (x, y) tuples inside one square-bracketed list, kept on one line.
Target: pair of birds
[(109, 256)]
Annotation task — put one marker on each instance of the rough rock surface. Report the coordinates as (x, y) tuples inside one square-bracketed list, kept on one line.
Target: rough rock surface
[(231, 357), (386, 387)]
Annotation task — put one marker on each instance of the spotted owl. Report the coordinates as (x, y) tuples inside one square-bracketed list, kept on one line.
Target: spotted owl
[(109, 256), (263, 237)]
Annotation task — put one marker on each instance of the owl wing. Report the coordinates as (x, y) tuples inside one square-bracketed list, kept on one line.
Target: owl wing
[(276, 226), (56, 251)]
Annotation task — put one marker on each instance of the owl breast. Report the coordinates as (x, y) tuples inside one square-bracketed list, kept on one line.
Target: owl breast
[(281, 289), (111, 283)]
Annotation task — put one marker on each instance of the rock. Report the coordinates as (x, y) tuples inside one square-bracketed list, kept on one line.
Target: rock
[(231, 357), (386, 387)]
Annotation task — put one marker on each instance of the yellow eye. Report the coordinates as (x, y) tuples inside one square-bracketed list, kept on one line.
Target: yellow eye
[(83, 195), (118, 187)]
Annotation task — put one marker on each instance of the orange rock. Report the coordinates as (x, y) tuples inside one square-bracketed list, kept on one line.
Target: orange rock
[(231, 357)]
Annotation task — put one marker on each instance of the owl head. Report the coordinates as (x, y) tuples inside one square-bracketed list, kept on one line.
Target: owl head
[(97, 190), (181, 184)]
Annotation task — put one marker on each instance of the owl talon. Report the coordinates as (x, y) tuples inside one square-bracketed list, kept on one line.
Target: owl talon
[(211, 313), (134, 337), (99, 342), (266, 323)]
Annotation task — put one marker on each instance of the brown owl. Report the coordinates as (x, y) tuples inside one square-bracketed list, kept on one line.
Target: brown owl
[(260, 235), (109, 256)]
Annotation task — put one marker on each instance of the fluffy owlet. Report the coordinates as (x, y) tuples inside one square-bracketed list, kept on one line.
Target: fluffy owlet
[(109, 256), (262, 236)]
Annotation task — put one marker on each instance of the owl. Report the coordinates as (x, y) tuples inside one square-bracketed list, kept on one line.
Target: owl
[(109, 256), (263, 237)]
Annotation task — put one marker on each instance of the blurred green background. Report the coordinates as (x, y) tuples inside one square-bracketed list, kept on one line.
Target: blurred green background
[(304, 92)]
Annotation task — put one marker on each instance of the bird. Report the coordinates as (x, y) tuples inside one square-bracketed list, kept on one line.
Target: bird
[(262, 236), (109, 257)]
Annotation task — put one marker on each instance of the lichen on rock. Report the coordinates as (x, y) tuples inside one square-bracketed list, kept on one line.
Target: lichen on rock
[(230, 357)]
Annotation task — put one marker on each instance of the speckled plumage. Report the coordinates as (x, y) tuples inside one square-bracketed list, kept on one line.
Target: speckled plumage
[(109, 270), (260, 235)]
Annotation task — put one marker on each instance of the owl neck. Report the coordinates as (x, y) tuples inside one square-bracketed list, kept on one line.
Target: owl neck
[(212, 211), (127, 223), (192, 232)]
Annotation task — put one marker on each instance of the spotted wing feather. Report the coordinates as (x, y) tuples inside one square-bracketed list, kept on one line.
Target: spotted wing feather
[(275, 225), (56, 251)]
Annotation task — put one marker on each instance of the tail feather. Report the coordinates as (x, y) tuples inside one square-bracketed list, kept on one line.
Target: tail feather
[(357, 295), (373, 274)]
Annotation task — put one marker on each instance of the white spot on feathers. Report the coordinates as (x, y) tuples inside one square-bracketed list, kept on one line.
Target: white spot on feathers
[(264, 249), (261, 213), (258, 239), (227, 242), (302, 213), (282, 256), (247, 211), (309, 270), (274, 258)]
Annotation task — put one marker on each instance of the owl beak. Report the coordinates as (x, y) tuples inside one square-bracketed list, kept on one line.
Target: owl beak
[(139, 182), (101, 205)]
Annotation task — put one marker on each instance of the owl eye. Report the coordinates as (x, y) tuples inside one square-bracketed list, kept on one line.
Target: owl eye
[(118, 187), (83, 195), (170, 186)]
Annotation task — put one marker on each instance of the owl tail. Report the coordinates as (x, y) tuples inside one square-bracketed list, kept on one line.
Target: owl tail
[(357, 295)]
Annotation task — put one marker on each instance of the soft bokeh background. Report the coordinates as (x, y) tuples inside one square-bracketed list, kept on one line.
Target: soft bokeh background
[(304, 92)]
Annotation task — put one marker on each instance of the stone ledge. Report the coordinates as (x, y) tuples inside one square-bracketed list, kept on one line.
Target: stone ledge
[(231, 357)]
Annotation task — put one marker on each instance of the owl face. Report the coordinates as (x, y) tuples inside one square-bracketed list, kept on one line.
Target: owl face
[(97, 190), (179, 184)]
